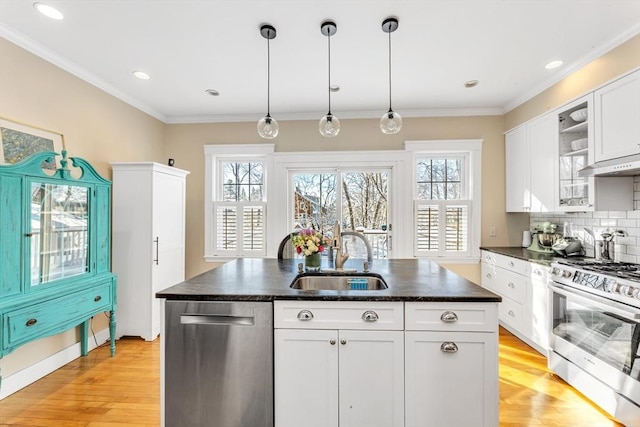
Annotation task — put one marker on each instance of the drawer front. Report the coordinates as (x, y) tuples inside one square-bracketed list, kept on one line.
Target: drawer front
[(25, 324), (461, 316), (507, 284), (370, 315), (511, 313), (515, 265)]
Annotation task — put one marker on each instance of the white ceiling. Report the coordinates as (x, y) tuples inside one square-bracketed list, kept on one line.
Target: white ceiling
[(188, 46)]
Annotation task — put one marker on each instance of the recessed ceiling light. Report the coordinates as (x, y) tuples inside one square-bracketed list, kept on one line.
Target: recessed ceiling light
[(471, 83), (48, 11), (212, 92), (334, 88), (553, 64), (141, 75)]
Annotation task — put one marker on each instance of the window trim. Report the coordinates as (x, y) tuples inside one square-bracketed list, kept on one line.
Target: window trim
[(472, 150)]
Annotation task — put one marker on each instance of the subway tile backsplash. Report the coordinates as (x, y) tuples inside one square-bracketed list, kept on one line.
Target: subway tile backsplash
[(627, 249)]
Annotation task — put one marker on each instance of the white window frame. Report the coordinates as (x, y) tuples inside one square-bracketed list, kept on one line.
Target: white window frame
[(214, 156), (471, 150)]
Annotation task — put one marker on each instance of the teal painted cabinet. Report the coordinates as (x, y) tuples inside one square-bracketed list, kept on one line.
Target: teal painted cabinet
[(55, 250)]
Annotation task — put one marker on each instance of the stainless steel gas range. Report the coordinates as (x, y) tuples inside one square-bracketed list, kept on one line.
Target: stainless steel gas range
[(595, 333)]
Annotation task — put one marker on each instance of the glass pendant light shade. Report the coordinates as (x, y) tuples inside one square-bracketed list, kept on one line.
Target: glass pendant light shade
[(268, 127), (329, 126), (390, 123)]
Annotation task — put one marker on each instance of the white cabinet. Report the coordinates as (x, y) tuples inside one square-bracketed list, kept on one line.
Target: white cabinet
[(451, 353), (148, 241), (347, 377), (617, 113), (524, 290), (529, 166)]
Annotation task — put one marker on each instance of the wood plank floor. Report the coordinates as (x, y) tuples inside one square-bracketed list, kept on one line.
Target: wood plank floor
[(100, 391)]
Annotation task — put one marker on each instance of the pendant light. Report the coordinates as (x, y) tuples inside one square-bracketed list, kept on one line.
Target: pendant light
[(267, 126), (329, 125), (391, 122)]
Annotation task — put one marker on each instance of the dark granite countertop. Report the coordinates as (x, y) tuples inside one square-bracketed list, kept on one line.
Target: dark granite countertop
[(524, 254), (257, 279)]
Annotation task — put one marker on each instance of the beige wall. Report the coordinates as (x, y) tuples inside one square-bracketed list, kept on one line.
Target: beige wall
[(96, 126), (102, 129)]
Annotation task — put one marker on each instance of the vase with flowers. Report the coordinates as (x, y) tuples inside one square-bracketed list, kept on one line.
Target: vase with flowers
[(311, 244)]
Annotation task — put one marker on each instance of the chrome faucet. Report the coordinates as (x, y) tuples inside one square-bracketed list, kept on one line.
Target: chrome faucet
[(341, 257)]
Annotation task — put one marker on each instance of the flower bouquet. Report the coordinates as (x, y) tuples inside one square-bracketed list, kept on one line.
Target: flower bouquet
[(310, 243)]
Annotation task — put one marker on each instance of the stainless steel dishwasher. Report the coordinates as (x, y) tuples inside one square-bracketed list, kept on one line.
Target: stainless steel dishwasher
[(218, 364)]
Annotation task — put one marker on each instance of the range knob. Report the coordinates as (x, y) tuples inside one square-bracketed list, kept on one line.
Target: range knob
[(566, 274), (555, 271), (613, 286), (627, 290)]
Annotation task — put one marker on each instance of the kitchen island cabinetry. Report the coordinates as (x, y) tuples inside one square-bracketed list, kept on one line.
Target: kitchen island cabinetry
[(529, 155), (523, 287), (349, 376), (617, 109), (451, 354)]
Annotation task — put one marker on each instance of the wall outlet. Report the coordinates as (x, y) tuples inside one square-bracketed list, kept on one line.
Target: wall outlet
[(492, 231)]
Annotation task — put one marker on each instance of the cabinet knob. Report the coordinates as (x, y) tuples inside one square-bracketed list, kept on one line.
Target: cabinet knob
[(97, 298), (537, 272), (332, 341), (511, 313), (32, 322), (488, 275), (449, 316), (343, 342), (370, 316), (305, 315), (449, 347)]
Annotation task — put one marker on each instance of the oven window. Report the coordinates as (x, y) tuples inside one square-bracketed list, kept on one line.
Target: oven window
[(607, 336)]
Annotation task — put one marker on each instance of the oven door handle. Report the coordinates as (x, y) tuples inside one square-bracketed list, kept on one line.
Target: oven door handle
[(611, 306)]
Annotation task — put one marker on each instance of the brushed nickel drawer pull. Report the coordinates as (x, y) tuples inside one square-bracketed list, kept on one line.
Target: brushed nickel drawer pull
[(305, 315), (32, 322), (511, 285), (97, 298), (449, 317), (511, 313), (370, 316), (449, 347)]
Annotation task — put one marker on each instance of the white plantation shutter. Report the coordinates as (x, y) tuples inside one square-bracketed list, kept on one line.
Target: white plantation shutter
[(442, 227), (240, 228)]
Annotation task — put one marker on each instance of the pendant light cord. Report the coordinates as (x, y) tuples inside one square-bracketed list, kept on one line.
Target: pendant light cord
[(329, 85), (268, 76), (390, 71)]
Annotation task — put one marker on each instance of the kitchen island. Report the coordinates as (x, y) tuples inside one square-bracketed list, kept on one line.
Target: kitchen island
[(242, 348)]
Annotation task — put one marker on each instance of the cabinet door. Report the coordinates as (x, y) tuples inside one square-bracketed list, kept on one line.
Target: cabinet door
[(306, 378), (168, 224), (517, 170), (451, 379), (539, 305), (542, 139), (371, 378), (617, 109)]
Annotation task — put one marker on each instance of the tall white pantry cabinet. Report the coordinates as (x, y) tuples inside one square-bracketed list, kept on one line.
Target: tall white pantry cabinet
[(148, 241)]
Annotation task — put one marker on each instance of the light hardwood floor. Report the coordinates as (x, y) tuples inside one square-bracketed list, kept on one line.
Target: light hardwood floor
[(100, 391)]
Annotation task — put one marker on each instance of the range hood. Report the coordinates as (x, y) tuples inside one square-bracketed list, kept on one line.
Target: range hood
[(623, 166)]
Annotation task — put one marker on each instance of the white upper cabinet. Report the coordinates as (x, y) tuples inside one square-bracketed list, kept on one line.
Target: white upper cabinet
[(617, 117), (530, 173)]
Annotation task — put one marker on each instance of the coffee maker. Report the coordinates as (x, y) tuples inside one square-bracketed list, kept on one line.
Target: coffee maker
[(544, 236)]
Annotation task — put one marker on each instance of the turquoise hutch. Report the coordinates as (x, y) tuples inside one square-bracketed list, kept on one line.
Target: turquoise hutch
[(55, 250)]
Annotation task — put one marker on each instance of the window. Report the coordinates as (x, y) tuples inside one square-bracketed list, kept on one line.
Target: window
[(235, 224), (443, 193)]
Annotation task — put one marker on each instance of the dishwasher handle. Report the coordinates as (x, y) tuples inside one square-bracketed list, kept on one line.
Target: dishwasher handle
[(216, 319)]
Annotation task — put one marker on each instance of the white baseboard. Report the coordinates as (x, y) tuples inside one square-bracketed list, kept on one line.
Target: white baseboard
[(33, 373)]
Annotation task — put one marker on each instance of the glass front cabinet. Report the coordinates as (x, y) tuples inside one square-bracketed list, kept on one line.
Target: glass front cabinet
[(55, 249), (575, 139)]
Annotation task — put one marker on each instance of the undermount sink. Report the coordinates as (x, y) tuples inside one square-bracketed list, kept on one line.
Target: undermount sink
[(339, 282)]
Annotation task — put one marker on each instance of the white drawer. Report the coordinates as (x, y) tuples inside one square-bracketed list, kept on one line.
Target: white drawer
[(506, 283), (515, 265), (511, 313), (451, 316), (372, 315)]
